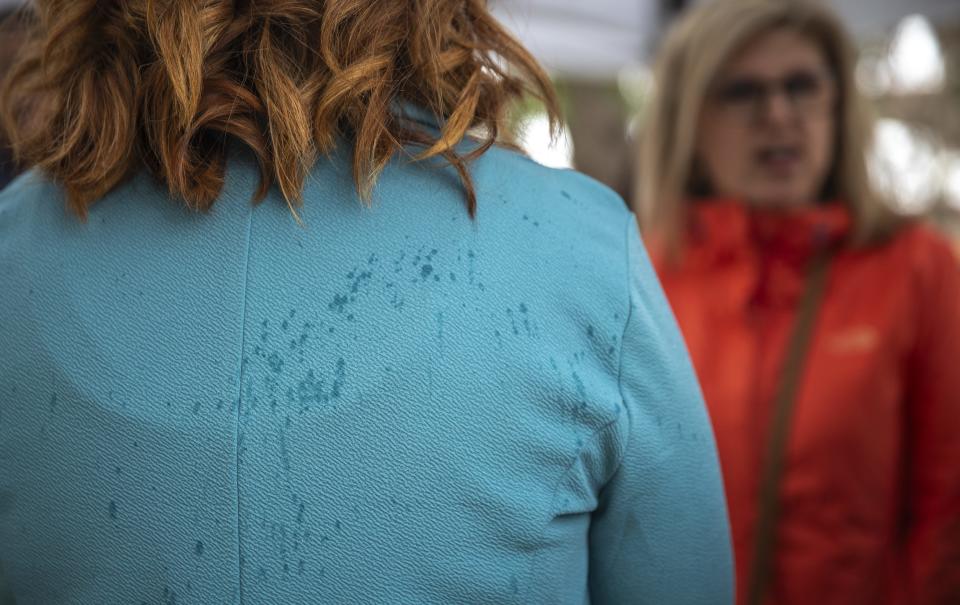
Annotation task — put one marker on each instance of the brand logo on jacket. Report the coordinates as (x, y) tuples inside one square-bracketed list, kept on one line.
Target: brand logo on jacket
[(858, 339)]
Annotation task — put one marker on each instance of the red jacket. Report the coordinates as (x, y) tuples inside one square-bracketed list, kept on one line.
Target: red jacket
[(870, 495)]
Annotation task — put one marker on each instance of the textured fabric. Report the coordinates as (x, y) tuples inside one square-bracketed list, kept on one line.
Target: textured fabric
[(870, 495), (387, 404)]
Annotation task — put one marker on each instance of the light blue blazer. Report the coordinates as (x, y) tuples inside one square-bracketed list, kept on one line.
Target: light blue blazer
[(385, 404)]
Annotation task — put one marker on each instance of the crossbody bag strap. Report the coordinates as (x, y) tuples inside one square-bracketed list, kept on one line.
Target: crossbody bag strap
[(786, 396)]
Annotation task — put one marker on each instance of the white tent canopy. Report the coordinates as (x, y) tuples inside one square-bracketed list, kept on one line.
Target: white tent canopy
[(596, 39)]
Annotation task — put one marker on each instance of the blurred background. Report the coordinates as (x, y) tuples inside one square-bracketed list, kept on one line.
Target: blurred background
[(600, 52)]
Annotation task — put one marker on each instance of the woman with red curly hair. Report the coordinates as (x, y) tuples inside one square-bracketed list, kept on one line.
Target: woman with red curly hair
[(420, 369)]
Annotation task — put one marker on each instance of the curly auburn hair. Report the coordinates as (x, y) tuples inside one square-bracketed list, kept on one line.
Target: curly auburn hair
[(106, 87)]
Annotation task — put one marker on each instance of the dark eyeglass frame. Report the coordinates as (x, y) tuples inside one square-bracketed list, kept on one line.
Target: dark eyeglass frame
[(810, 92)]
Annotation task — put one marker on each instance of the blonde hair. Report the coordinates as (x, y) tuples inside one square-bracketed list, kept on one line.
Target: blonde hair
[(694, 51), (107, 88)]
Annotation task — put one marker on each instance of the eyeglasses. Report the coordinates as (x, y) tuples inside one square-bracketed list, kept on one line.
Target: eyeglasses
[(809, 93)]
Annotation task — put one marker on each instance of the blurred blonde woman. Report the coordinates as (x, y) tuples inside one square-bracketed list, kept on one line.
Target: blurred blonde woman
[(824, 330), (422, 369)]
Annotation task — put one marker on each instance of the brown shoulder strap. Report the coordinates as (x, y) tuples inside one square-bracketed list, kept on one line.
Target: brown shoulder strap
[(769, 503)]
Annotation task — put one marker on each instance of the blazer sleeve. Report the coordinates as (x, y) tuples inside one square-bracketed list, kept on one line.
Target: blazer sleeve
[(660, 533), (933, 435)]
